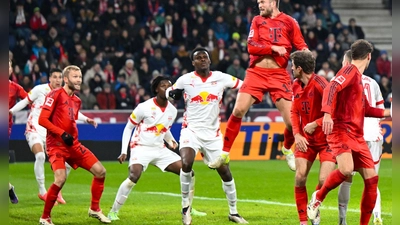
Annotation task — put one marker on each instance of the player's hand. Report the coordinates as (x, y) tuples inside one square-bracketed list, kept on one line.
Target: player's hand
[(10, 112), (172, 147), (67, 138), (175, 94), (327, 124), (92, 122), (122, 158), (301, 142), (310, 127), (279, 49)]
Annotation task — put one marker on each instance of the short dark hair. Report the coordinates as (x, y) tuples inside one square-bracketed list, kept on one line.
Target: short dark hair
[(347, 55), (156, 82), (199, 49), (304, 59), (360, 49), (55, 70)]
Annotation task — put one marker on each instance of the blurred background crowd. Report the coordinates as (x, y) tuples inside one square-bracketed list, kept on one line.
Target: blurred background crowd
[(121, 45)]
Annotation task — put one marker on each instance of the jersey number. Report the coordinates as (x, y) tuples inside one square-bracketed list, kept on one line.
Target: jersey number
[(71, 113), (367, 89)]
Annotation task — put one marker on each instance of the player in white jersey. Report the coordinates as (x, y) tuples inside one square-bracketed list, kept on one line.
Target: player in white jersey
[(36, 134), (373, 137), (152, 120), (202, 91)]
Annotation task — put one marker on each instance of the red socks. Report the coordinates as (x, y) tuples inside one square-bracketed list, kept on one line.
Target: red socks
[(288, 138), (50, 200), (300, 194), (318, 187), (97, 190), (232, 130), (368, 199), (332, 181)]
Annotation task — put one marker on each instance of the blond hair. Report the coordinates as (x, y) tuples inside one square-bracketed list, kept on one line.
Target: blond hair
[(67, 69)]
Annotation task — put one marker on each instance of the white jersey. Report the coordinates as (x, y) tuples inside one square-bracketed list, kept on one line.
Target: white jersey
[(152, 123), (372, 128), (203, 97), (36, 97)]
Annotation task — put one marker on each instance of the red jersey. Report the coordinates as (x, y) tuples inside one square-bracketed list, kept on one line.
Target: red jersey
[(345, 100), (283, 30), (58, 115), (306, 108), (15, 91)]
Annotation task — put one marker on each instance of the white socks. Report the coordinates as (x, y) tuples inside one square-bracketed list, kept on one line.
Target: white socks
[(377, 208), (39, 171), (67, 169), (230, 191), (191, 190), (343, 199), (123, 192), (186, 180)]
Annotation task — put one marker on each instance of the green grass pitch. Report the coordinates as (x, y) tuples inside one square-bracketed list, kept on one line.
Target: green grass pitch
[(264, 188)]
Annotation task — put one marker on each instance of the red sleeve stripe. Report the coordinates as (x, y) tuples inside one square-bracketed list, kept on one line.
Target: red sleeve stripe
[(331, 93), (237, 83), (320, 81), (133, 122), (29, 99), (380, 102)]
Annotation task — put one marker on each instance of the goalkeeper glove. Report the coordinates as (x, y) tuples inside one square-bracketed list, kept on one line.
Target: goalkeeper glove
[(67, 138), (176, 94)]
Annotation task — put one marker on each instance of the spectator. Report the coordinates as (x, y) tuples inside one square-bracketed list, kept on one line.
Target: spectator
[(88, 99), (334, 64), (124, 98), (54, 16), (96, 84), (130, 72), (121, 82), (346, 38), (194, 39), (38, 23), (109, 72), (384, 65), (320, 31), (311, 40), (328, 19), (156, 62), (200, 26), (106, 99), (183, 55), (132, 27), (42, 62), (236, 70), (355, 30), (218, 53), (209, 40), (310, 18), (21, 53), (154, 34), (39, 48), (175, 70), (125, 42), (238, 26), (220, 29), (168, 30), (326, 71), (21, 25), (96, 69), (385, 87)]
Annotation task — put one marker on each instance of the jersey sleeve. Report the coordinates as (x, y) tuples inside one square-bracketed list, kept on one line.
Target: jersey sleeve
[(179, 84), (298, 39), (231, 81), (372, 111), (137, 115), (254, 47), (378, 95), (47, 110), (33, 94), (341, 80), (21, 92), (295, 118)]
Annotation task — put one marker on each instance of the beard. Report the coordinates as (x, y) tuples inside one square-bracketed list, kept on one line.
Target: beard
[(267, 13), (72, 87)]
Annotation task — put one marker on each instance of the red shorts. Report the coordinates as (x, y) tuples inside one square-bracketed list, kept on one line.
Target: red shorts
[(325, 153), (259, 81), (342, 142), (75, 156)]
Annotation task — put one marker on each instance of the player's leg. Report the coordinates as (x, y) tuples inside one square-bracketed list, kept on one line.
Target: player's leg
[(328, 164), (335, 178), (60, 198), (11, 194), (187, 154), (135, 171), (343, 199), (36, 142), (85, 159), (364, 164), (375, 148), (57, 160), (300, 190)]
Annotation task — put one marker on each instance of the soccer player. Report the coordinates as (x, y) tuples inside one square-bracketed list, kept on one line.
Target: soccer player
[(15, 92), (152, 120), (373, 137), (58, 115), (36, 134), (269, 44), (202, 91), (306, 119), (344, 105)]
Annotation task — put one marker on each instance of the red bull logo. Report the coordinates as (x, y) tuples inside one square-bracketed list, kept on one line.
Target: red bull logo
[(204, 98), (157, 129)]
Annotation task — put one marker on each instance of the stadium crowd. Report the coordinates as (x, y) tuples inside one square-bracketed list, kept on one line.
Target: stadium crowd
[(121, 45)]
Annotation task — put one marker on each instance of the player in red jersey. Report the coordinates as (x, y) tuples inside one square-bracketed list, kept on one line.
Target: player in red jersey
[(269, 44), (15, 92), (344, 105), (58, 115), (306, 119)]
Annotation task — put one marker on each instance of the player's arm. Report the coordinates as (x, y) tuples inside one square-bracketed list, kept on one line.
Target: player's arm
[(254, 46), (19, 106), (21, 92), (374, 112), (47, 111), (170, 140), (298, 39), (300, 140), (231, 81), (30, 97), (86, 119), (175, 91)]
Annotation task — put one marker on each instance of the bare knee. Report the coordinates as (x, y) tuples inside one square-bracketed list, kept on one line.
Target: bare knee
[(134, 177), (225, 173), (60, 179), (301, 179), (100, 173), (239, 111)]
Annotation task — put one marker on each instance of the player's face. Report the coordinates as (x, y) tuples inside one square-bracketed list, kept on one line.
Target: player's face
[(201, 61), (369, 60), (74, 80), (55, 80), (162, 87), (10, 69), (265, 7), (296, 71)]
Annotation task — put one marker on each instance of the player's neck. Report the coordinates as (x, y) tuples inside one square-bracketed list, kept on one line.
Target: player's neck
[(68, 90), (360, 64), (275, 13), (161, 102), (305, 79), (203, 73)]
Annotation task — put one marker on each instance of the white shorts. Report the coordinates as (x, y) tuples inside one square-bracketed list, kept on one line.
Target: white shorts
[(160, 157), (209, 144), (33, 138), (375, 147)]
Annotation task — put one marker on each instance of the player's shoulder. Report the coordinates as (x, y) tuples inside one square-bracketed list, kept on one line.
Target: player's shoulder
[(55, 92), (320, 80), (367, 79), (42, 87), (172, 108)]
